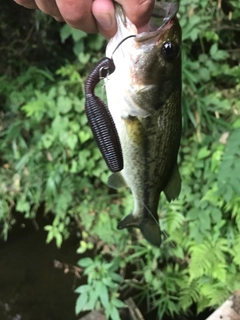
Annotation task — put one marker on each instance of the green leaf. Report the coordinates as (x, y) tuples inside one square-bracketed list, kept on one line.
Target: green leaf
[(148, 275), (104, 296), (47, 140), (221, 55), (81, 303), (204, 73), (116, 277), (59, 124), (193, 213), (59, 239), (118, 303), (64, 104), (33, 108), (85, 262), (216, 215), (72, 140), (50, 235), (84, 57), (213, 50), (109, 283), (74, 126), (83, 289), (65, 32), (113, 312), (93, 298), (96, 41), (203, 153), (217, 54), (84, 136), (78, 34), (22, 205), (194, 34)]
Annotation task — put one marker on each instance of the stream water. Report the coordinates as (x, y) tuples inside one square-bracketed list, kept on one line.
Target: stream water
[(31, 287)]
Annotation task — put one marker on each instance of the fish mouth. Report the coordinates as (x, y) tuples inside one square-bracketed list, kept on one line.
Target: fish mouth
[(161, 20), (144, 36)]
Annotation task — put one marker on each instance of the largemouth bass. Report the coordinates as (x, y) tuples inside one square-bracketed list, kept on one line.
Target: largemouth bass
[(144, 99)]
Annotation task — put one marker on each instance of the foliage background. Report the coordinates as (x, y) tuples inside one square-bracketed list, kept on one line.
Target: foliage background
[(47, 155)]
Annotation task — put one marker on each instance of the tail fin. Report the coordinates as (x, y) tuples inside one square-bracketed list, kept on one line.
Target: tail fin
[(148, 226)]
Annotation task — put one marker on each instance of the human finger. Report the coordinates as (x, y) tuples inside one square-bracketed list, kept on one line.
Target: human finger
[(138, 11), (49, 7), (78, 14), (103, 11), (30, 4)]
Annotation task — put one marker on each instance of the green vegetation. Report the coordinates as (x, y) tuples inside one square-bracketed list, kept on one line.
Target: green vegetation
[(48, 156)]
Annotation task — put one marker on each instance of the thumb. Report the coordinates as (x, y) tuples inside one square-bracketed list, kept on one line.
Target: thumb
[(138, 11)]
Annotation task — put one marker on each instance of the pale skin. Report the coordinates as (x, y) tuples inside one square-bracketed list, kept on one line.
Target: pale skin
[(92, 16)]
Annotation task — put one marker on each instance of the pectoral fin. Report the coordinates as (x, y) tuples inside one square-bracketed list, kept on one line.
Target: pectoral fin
[(173, 187), (116, 181)]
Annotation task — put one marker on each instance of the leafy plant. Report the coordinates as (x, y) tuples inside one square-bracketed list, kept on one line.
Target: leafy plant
[(101, 291)]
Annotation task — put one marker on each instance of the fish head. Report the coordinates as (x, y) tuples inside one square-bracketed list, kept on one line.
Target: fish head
[(155, 68), (156, 56), (151, 61)]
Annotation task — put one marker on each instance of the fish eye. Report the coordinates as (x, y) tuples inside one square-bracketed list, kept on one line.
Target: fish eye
[(170, 50)]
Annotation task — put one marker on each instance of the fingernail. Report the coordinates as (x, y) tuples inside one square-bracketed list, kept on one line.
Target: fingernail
[(104, 20)]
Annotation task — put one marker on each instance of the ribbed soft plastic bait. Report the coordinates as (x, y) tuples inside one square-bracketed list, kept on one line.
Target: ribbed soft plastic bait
[(100, 118)]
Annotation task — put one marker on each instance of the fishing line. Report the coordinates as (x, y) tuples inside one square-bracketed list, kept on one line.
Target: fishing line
[(131, 36), (157, 222), (151, 215), (101, 77)]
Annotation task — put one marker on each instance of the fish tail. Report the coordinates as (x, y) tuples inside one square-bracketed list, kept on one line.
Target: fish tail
[(148, 226)]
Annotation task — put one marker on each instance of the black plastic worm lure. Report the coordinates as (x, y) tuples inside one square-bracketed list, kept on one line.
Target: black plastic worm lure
[(100, 118)]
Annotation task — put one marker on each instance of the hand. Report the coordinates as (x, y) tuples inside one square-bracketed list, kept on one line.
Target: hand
[(93, 16)]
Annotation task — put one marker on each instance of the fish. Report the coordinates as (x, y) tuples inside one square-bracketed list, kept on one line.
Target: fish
[(144, 99)]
